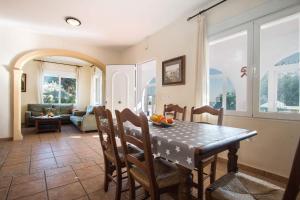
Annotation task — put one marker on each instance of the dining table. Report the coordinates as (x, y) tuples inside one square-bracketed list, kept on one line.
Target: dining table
[(187, 143)]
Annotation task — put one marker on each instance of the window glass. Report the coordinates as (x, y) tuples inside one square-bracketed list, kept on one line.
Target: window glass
[(279, 65), (59, 90), (51, 89), (227, 73), (68, 90)]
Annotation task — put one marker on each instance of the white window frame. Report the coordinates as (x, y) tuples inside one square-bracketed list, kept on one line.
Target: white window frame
[(253, 83), (240, 28), (256, 77), (59, 81)]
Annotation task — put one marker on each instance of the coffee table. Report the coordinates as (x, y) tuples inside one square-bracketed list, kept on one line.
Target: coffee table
[(48, 124)]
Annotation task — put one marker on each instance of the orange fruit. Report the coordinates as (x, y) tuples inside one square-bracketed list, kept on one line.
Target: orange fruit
[(170, 121)]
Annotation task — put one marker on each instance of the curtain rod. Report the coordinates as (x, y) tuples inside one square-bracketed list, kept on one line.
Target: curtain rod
[(59, 63), (207, 9)]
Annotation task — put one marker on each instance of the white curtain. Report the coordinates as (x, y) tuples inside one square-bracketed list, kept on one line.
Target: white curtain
[(39, 83), (201, 89), (92, 93), (77, 70)]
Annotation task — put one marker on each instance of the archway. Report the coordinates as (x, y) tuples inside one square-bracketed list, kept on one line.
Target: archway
[(17, 73)]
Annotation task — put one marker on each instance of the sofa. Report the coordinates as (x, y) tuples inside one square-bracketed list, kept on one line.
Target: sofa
[(34, 110), (84, 120)]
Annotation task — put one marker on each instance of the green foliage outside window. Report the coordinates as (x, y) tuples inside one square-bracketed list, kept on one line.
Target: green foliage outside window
[(59, 90), (51, 89), (230, 101), (288, 89), (68, 90)]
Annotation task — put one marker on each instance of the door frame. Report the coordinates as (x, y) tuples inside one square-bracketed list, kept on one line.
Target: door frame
[(136, 79)]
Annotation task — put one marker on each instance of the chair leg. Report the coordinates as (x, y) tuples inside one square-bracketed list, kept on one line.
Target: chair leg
[(131, 187), (154, 195), (106, 171), (200, 186), (213, 169), (119, 184)]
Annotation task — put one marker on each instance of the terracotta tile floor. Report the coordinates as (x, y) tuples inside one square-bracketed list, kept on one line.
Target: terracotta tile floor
[(66, 165)]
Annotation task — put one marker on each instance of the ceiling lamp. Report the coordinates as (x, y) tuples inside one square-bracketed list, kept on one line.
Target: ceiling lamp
[(73, 21)]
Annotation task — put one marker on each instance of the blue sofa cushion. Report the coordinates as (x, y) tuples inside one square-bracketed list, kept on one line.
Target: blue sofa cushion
[(76, 120), (89, 110)]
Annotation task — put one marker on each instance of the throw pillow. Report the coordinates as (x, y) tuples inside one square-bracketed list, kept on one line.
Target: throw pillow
[(89, 110)]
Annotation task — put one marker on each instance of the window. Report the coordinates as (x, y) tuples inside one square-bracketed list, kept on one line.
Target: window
[(263, 56), (228, 56), (279, 65), (59, 90)]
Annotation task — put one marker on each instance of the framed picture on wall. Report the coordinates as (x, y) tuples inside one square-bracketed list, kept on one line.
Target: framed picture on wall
[(173, 71), (23, 82)]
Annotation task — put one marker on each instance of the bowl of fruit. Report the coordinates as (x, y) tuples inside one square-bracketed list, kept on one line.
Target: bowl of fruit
[(160, 120)]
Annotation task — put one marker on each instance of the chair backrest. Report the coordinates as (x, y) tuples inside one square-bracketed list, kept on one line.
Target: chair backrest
[(293, 186), (209, 110), (105, 127), (141, 141), (174, 109)]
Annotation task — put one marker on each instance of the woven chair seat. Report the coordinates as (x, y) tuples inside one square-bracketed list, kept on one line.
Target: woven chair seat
[(166, 174), (237, 186), (132, 150)]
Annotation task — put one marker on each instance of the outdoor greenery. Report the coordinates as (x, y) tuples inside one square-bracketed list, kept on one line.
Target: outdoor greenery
[(288, 89), (68, 90), (51, 89), (59, 90), (230, 101)]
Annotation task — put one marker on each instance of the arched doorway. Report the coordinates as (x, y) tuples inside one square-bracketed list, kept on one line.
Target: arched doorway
[(17, 73)]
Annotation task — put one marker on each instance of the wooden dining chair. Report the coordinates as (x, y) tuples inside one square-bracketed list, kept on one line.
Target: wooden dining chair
[(212, 161), (112, 154), (235, 186), (156, 176), (174, 109), (210, 110)]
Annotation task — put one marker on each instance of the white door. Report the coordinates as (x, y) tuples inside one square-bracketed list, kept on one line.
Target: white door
[(120, 87)]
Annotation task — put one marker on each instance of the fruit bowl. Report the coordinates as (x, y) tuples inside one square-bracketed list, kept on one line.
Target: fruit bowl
[(160, 120)]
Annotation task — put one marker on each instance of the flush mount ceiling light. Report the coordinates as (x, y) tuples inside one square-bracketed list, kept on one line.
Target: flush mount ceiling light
[(73, 21)]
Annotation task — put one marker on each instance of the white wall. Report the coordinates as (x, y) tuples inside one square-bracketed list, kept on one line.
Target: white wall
[(273, 149), (31, 95), (16, 41)]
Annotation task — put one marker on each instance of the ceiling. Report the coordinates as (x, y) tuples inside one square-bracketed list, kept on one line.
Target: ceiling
[(104, 22)]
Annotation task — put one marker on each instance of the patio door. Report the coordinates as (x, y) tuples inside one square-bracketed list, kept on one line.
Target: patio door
[(120, 87)]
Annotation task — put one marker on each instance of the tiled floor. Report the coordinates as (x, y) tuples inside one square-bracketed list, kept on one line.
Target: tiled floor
[(66, 165)]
